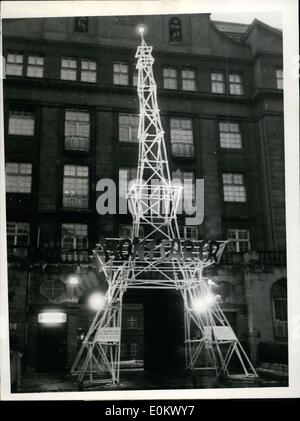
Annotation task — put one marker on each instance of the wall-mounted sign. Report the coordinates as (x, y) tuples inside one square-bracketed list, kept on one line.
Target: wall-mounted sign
[(108, 334), (52, 317), (161, 250)]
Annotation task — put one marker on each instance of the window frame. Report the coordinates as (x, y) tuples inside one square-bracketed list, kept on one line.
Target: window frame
[(21, 65), (85, 138), (224, 184), (24, 112), (279, 80), (88, 71), (189, 144), (221, 72), (230, 143), (72, 69), (129, 128), (236, 241), (15, 234), (18, 175), (241, 83), (84, 197), (175, 78), (34, 65), (125, 64), (189, 69), (76, 237)]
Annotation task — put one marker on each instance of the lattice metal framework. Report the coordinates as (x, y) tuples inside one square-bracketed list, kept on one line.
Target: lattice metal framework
[(173, 263)]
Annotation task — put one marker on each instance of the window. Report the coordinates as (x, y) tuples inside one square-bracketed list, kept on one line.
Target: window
[(187, 179), (88, 70), (128, 127), (188, 80), (182, 137), (134, 348), (132, 322), (68, 68), (76, 187), (125, 176), (74, 236), (279, 307), (279, 78), (230, 135), (77, 130), (120, 73), (239, 240), (189, 232), (18, 177), (218, 82), (235, 84), (14, 64), (135, 77), (17, 234), (175, 34), (234, 188), (81, 24), (21, 123), (170, 78), (35, 66)]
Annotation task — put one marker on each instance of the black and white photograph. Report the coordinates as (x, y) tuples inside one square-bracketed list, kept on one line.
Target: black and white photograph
[(145, 202)]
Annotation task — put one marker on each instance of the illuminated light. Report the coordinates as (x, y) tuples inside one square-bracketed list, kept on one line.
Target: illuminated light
[(96, 301), (73, 280), (204, 303), (141, 30), (211, 283), (52, 317)]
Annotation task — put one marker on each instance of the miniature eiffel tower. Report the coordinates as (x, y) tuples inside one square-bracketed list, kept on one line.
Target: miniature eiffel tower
[(153, 201)]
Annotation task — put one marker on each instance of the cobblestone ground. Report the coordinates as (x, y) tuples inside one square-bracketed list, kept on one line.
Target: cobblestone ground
[(140, 380)]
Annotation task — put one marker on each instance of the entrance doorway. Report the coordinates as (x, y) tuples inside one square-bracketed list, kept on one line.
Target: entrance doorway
[(163, 327), (51, 347)]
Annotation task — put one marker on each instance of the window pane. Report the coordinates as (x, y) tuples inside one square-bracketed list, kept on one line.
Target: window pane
[(14, 64), (77, 130), (21, 123), (230, 136), (35, 66), (239, 240), (88, 71), (217, 82), (68, 68), (170, 78), (18, 178), (75, 187), (233, 188), (120, 76), (182, 137), (188, 80), (128, 127)]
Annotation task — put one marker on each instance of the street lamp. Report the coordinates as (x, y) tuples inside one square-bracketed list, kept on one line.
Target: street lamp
[(96, 301), (73, 282), (203, 303)]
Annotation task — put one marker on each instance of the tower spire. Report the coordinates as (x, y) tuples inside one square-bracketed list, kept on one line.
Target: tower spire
[(153, 199)]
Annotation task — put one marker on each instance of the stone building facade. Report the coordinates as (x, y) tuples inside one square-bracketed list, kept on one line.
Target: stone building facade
[(71, 119)]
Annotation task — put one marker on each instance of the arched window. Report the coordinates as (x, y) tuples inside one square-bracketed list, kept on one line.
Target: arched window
[(175, 34), (279, 308)]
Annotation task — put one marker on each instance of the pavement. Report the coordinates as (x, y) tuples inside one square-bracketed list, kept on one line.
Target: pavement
[(143, 380)]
